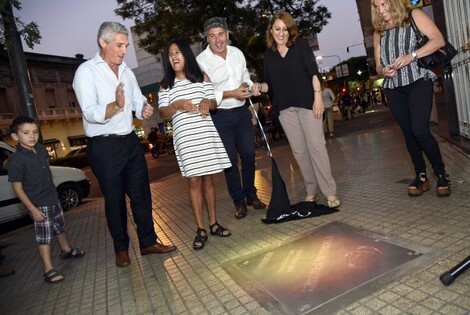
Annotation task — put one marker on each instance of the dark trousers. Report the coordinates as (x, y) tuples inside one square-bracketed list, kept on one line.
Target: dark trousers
[(120, 167), (411, 105), (236, 131)]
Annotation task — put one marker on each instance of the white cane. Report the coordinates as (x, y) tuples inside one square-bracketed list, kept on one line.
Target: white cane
[(261, 127)]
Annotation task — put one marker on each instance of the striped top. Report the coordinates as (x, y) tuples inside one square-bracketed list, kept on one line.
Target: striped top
[(396, 42), (198, 147)]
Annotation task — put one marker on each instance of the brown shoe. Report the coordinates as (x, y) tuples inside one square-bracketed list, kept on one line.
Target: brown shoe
[(122, 258), (419, 185), (241, 211), (157, 248), (6, 271), (255, 203)]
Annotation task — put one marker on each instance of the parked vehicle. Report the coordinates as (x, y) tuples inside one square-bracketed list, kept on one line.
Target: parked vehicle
[(71, 183), (166, 147), (77, 151)]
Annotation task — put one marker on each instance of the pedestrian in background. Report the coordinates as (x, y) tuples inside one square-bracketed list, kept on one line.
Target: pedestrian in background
[(152, 136), (348, 103), (108, 93), (328, 98), (31, 177), (186, 95), (409, 88), (293, 83), (226, 67)]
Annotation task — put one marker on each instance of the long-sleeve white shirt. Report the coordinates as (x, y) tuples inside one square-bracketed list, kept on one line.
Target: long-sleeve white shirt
[(95, 87), (225, 74)]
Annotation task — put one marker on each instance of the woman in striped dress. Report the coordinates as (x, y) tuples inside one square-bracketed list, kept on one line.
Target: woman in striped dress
[(186, 95)]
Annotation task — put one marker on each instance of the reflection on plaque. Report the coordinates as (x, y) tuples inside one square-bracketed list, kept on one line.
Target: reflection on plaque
[(314, 270)]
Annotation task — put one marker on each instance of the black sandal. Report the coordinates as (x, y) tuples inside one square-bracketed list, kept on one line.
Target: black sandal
[(51, 275), (220, 230), (200, 239), (72, 253)]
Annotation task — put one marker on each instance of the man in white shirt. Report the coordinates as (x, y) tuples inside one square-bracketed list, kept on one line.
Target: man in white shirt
[(108, 93), (226, 67)]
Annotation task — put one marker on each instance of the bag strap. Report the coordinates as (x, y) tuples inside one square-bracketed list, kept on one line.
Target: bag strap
[(413, 25)]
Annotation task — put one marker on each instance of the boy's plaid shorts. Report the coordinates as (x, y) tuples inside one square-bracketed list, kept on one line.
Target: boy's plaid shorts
[(52, 225)]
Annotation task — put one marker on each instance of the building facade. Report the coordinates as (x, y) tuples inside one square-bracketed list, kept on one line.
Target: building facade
[(58, 111)]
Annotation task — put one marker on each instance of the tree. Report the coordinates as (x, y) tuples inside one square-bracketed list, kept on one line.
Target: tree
[(10, 34), (29, 32), (159, 21)]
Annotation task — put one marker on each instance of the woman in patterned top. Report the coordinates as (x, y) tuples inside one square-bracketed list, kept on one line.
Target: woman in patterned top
[(409, 88), (186, 95)]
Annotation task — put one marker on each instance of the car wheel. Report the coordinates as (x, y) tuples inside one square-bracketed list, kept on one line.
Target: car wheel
[(69, 196)]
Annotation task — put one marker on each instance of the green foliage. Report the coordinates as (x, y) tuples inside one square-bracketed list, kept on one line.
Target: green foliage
[(30, 32), (159, 21)]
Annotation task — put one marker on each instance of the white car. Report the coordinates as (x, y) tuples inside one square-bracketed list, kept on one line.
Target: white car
[(71, 183)]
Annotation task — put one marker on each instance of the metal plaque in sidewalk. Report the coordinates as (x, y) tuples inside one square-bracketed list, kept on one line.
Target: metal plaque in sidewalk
[(325, 270)]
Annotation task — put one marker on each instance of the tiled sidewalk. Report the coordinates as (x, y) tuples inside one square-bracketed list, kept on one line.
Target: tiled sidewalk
[(372, 170)]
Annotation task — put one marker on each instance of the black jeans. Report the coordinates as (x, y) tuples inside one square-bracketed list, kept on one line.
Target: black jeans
[(120, 167), (411, 105)]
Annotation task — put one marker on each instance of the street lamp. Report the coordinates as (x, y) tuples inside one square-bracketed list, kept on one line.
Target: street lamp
[(347, 48), (339, 59), (322, 57)]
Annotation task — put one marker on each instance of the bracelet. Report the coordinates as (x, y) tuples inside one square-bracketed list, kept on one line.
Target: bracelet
[(317, 91)]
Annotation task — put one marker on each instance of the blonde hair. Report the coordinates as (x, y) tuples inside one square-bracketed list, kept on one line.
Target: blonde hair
[(291, 28), (398, 10)]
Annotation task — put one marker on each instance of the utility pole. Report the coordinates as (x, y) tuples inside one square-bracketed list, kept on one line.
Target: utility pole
[(18, 62)]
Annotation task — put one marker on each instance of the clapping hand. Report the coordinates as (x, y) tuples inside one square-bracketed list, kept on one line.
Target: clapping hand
[(120, 98), (204, 107), (147, 110), (186, 105)]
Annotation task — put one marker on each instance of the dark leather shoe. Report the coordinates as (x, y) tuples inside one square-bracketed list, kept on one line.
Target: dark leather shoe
[(241, 211), (255, 203), (6, 271), (122, 258), (157, 248)]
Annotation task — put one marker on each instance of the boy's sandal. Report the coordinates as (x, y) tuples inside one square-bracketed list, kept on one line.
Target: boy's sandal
[(220, 230), (72, 253), (53, 276), (200, 239)]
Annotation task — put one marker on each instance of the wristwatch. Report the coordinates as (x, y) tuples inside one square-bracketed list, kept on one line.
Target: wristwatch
[(414, 55)]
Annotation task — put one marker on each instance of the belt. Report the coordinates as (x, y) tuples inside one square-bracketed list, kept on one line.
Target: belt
[(113, 135), (230, 109)]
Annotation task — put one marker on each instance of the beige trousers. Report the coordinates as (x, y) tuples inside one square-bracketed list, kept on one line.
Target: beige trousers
[(307, 142)]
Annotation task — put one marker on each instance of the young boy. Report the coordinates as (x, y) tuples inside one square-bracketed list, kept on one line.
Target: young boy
[(31, 177)]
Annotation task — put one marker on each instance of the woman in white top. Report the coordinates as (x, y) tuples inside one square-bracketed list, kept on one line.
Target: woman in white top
[(186, 95), (328, 98)]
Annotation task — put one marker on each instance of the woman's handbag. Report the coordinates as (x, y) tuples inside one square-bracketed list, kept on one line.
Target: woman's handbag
[(439, 58)]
